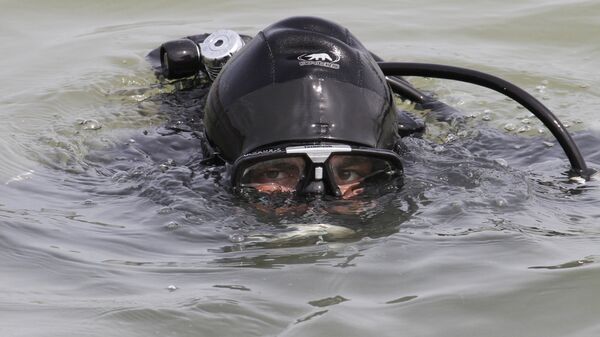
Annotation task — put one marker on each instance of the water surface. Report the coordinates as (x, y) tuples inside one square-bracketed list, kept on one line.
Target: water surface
[(109, 224)]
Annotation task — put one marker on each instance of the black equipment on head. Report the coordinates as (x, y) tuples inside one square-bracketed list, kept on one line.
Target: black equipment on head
[(301, 80), (185, 57), (180, 58), (305, 80)]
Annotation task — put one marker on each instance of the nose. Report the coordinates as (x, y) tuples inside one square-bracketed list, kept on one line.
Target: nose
[(315, 187)]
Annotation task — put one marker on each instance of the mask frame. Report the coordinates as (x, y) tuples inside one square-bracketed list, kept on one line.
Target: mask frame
[(317, 177)]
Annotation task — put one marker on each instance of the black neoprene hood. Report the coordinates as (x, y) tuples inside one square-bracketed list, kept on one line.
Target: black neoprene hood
[(300, 80)]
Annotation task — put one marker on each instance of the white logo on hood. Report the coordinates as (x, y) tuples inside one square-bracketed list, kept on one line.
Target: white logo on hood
[(323, 59)]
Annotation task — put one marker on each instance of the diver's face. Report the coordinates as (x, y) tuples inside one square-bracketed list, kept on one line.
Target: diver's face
[(285, 174)]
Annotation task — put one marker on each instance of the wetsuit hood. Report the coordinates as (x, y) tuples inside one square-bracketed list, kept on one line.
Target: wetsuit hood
[(300, 80)]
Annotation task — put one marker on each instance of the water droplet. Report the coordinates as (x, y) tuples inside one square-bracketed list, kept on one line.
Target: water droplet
[(487, 117), (165, 210), (320, 241), (21, 177), (439, 149), (172, 225), (89, 202), (509, 127), (450, 137), (578, 180), (456, 205), (524, 128), (525, 121), (329, 301), (549, 144), (172, 288), (120, 177), (90, 124), (237, 238), (166, 165), (501, 202), (502, 162)]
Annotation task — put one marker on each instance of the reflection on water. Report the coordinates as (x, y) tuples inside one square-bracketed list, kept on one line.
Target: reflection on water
[(110, 223)]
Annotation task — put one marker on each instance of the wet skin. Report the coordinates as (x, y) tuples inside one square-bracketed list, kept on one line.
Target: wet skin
[(284, 174)]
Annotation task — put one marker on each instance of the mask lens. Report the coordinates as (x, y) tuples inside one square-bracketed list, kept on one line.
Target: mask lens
[(349, 172), (274, 175)]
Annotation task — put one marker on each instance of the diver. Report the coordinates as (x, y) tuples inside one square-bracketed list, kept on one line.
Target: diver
[(303, 108)]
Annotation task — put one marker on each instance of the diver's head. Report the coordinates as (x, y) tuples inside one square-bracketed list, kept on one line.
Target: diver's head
[(304, 107)]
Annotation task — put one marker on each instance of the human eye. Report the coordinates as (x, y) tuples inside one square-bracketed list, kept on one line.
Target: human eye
[(348, 175), (351, 170), (274, 175)]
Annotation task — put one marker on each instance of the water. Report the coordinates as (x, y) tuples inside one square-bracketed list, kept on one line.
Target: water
[(110, 226)]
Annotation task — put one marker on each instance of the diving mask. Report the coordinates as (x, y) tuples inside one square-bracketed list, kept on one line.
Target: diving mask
[(336, 169)]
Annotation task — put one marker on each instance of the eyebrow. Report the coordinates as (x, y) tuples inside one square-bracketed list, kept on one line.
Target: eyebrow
[(276, 163), (350, 160)]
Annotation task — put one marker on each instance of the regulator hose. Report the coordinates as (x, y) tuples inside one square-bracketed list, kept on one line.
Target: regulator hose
[(578, 165)]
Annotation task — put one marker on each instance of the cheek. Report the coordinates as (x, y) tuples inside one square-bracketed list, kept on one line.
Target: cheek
[(271, 188), (350, 191), (282, 211), (352, 207)]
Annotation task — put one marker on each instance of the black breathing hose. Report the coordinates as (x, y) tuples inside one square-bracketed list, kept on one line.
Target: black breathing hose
[(578, 166)]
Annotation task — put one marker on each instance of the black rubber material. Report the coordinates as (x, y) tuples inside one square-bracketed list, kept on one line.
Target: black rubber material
[(179, 59), (405, 90), (578, 165)]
